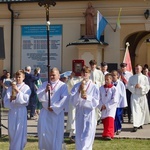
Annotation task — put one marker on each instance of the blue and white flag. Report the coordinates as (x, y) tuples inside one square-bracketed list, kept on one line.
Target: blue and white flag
[(101, 24)]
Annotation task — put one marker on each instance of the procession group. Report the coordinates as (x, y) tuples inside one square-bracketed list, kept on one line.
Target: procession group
[(94, 97)]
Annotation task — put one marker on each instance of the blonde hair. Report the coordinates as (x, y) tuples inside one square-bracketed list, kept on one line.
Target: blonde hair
[(86, 69), (20, 72), (115, 72), (36, 70)]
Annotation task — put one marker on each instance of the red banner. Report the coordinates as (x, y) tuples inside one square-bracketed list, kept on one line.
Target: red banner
[(127, 59)]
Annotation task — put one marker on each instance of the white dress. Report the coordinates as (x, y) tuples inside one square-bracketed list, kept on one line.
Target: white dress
[(51, 124), (17, 116), (138, 98), (85, 115)]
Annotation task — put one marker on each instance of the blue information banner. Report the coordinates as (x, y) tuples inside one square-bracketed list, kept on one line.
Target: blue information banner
[(41, 30), (34, 47)]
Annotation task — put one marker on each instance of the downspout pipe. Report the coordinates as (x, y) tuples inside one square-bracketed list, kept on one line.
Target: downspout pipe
[(11, 40)]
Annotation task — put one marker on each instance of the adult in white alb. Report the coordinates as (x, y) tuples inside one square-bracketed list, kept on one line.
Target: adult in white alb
[(147, 116), (16, 100), (85, 98), (139, 86), (125, 75), (98, 78), (51, 119)]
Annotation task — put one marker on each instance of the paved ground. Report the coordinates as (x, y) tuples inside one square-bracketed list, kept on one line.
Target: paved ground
[(126, 131)]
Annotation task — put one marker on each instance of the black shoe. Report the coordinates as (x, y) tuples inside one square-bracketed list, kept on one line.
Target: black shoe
[(28, 118), (72, 139), (129, 121), (118, 132), (140, 127), (124, 115), (134, 129), (98, 122), (32, 118), (107, 138)]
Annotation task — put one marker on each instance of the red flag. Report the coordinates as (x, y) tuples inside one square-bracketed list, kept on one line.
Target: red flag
[(127, 58)]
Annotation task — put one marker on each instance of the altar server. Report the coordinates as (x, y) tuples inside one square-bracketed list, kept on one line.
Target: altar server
[(122, 101), (85, 98), (16, 99), (108, 105)]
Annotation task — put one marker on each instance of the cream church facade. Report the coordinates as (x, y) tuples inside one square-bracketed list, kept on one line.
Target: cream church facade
[(68, 15)]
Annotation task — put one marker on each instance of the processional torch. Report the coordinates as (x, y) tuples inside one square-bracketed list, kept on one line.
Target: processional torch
[(47, 4)]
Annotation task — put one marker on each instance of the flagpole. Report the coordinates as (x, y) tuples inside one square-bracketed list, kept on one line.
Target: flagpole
[(112, 27), (47, 4), (115, 28)]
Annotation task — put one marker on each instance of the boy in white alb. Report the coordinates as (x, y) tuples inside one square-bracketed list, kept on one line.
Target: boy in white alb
[(16, 99), (85, 98), (107, 105), (122, 101)]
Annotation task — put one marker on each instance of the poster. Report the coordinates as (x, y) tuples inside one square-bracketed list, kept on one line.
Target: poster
[(34, 47)]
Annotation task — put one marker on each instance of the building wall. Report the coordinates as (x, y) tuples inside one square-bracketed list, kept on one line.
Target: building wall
[(70, 15), (5, 64)]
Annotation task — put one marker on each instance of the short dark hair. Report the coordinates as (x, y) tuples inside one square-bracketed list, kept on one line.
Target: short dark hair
[(92, 62), (138, 65), (145, 66), (108, 75), (103, 64), (123, 64)]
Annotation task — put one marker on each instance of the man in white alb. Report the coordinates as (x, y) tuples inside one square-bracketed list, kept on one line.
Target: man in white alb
[(125, 75), (139, 86), (51, 119)]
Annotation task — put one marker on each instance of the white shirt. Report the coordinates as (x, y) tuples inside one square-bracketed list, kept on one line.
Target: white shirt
[(97, 77)]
